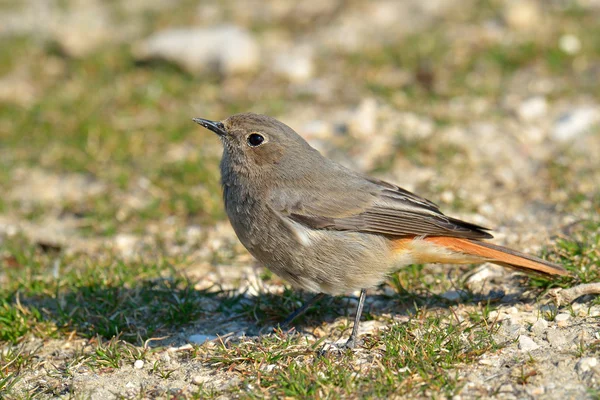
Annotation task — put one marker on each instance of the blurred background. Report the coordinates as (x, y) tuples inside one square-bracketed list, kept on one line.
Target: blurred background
[(112, 229), (488, 107)]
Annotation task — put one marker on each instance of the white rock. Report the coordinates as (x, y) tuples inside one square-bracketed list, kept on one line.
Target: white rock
[(533, 108), (413, 126), (296, 65), (138, 364), (125, 244), (556, 337), (226, 49), (200, 339), (539, 327), (506, 388), (536, 391), (586, 364), (575, 123), (562, 317), (85, 28), (570, 44), (483, 273), (364, 120), (368, 327), (522, 14), (527, 344)]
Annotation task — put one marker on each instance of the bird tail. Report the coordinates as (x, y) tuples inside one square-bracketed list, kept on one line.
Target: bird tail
[(498, 255)]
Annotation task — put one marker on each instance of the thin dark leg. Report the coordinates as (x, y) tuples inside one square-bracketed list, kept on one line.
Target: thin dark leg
[(361, 303), (302, 309)]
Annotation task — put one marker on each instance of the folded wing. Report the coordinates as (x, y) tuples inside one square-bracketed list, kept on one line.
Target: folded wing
[(373, 206)]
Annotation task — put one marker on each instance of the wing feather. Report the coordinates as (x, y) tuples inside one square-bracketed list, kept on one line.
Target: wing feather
[(373, 206)]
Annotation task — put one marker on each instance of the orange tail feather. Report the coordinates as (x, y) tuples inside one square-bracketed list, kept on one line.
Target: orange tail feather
[(499, 255)]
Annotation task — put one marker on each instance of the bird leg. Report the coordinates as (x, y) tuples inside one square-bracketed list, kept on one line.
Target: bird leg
[(302, 309), (351, 343)]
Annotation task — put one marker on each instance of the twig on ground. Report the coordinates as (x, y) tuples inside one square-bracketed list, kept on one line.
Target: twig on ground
[(567, 296)]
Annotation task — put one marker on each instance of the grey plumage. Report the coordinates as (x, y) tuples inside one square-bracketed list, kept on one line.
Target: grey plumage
[(328, 229)]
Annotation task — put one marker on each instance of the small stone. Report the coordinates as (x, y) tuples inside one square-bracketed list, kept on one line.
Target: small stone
[(561, 320), (522, 14), (533, 108), (556, 337), (125, 244), (200, 339), (453, 295), (199, 380), (296, 65), (482, 274), (130, 385), (364, 121), (562, 317), (486, 361), (447, 196), (226, 49), (586, 364), (138, 364), (539, 327), (574, 123), (506, 388), (83, 29), (570, 44), (527, 344), (537, 391)]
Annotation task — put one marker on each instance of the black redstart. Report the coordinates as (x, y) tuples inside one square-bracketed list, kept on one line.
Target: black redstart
[(330, 230)]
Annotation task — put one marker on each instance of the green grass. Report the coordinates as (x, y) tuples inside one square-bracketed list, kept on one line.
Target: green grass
[(579, 253), (127, 125), (416, 357), (107, 298)]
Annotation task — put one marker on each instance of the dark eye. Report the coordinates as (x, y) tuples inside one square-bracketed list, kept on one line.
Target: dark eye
[(255, 139)]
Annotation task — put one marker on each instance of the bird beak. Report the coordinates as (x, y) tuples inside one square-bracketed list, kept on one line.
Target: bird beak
[(216, 127)]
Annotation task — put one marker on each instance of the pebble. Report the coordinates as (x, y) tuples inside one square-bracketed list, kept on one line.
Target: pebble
[(539, 327), (199, 380), (556, 337), (561, 319), (522, 14), (527, 344), (138, 364), (506, 388), (83, 29), (226, 49), (537, 391), (486, 361), (586, 364), (453, 295), (200, 339), (126, 244), (484, 273), (574, 123), (364, 121), (533, 108), (570, 44), (296, 65)]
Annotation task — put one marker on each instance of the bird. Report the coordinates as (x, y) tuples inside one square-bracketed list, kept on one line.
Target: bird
[(327, 229)]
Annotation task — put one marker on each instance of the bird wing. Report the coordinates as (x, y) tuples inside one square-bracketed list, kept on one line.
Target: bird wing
[(370, 206)]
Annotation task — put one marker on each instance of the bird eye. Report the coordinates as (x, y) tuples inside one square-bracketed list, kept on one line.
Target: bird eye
[(255, 139)]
